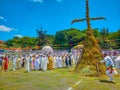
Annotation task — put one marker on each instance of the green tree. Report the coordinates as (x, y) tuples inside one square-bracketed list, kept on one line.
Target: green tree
[(42, 38), (69, 37), (75, 36), (50, 39), (25, 41), (104, 32), (105, 43), (114, 39), (21, 42), (118, 39), (96, 33), (60, 39), (9, 43)]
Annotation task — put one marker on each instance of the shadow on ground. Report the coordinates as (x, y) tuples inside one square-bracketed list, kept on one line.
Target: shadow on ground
[(106, 81)]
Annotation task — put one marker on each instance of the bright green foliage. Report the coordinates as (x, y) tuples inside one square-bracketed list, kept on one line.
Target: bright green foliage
[(60, 37), (10, 43), (27, 42), (104, 32), (96, 33), (21, 42), (60, 40), (75, 36), (50, 39), (68, 38), (72, 37), (115, 39)]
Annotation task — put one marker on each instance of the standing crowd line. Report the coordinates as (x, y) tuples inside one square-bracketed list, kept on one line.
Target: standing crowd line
[(38, 61)]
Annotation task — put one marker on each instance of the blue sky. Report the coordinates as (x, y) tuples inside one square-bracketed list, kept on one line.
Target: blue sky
[(23, 17)]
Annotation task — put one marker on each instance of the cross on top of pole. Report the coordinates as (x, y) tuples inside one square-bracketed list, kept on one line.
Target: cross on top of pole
[(87, 19)]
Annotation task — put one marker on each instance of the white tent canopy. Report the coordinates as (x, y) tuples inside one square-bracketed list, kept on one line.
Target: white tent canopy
[(47, 50)]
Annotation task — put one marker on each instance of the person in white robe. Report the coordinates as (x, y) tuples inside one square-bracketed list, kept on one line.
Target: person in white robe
[(54, 61), (110, 67), (40, 60), (73, 59), (36, 63), (28, 63), (63, 61), (117, 63), (67, 60), (19, 62), (44, 63), (14, 62), (59, 62)]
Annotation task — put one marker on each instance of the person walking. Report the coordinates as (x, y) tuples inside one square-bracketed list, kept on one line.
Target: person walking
[(110, 71)]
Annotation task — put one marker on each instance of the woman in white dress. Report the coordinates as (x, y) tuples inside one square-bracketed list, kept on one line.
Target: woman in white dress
[(44, 63)]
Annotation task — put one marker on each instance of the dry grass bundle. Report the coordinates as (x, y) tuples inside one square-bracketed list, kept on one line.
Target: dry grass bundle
[(91, 56)]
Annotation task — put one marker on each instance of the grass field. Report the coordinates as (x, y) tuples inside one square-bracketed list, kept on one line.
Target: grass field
[(57, 79)]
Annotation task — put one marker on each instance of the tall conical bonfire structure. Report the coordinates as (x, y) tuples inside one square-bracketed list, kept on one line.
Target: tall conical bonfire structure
[(91, 53)]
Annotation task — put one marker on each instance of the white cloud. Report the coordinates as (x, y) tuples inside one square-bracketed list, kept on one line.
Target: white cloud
[(40, 1), (20, 36), (2, 18), (5, 28), (59, 0)]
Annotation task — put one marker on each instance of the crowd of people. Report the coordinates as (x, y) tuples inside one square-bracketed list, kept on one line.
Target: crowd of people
[(38, 61)]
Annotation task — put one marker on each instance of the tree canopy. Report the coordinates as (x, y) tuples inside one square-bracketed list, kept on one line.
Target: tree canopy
[(66, 39)]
